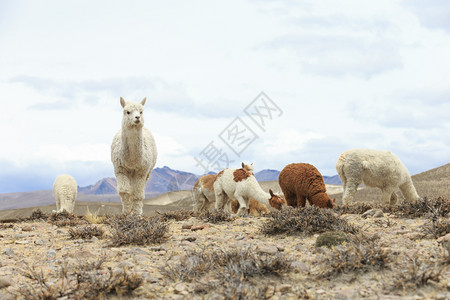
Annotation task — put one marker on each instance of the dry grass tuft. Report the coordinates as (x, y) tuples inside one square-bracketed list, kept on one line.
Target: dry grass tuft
[(178, 215), (137, 230), (65, 218), (94, 218), (415, 273), (86, 232), (228, 274), (420, 208), (216, 216), (307, 220), (84, 281), (360, 253), (355, 208)]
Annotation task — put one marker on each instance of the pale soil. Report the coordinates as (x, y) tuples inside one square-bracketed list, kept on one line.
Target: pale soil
[(47, 247)]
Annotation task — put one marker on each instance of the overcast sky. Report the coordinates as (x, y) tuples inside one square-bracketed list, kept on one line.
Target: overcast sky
[(336, 75)]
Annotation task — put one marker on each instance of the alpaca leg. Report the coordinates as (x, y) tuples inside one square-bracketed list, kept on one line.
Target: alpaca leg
[(386, 196), (393, 199), (243, 206), (291, 199), (220, 199), (409, 191), (124, 191), (349, 192), (301, 201), (138, 194), (201, 202)]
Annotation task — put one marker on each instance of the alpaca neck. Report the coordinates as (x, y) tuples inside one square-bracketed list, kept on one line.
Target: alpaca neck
[(132, 142), (261, 196)]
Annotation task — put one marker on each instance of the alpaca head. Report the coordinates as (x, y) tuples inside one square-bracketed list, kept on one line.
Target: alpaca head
[(276, 201), (249, 168), (322, 200), (133, 114)]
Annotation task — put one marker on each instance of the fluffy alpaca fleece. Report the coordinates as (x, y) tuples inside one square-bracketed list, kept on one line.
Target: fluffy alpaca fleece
[(65, 192), (300, 181), (255, 208), (241, 185), (133, 153), (203, 191), (381, 169)]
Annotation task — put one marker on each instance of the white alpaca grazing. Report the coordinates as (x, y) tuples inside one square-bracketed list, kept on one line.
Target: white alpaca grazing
[(381, 169), (133, 154), (241, 185), (203, 191), (65, 193)]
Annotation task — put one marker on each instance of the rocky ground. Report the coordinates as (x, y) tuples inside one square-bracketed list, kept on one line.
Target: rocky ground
[(395, 258)]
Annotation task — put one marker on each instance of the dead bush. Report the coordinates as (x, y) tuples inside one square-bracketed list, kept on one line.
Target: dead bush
[(215, 216), (86, 232), (308, 220), (177, 215), (137, 230)]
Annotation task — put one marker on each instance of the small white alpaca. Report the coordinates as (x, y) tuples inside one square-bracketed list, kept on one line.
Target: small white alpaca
[(65, 192), (133, 154), (203, 191), (381, 169), (241, 185)]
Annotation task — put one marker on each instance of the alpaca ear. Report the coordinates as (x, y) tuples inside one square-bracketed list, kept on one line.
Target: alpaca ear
[(242, 164), (122, 102), (143, 101), (271, 193)]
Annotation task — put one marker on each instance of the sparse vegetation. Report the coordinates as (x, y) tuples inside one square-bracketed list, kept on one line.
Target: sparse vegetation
[(215, 216), (331, 238), (94, 218), (227, 273), (420, 208), (308, 220), (86, 232), (84, 281), (355, 208), (137, 230), (177, 215), (360, 253), (415, 273), (65, 218)]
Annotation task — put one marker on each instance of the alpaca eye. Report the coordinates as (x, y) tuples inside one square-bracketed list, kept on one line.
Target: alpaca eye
[(128, 112), (141, 112)]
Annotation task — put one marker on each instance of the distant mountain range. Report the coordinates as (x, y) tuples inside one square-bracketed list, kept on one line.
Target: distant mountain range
[(165, 179)]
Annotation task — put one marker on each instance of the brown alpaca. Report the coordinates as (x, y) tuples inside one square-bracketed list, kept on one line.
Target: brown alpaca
[(256, 208), (302, 181)]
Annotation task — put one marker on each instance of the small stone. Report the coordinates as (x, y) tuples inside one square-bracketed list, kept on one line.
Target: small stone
[(51, 253), (280, 248), (4, 282), (180, 288), (9, 252), (375, 212), (414, 236), (41, 241), (300, 266), (190, 239), (283, 288), (187, 226), (267, 249), (199, 227), (94, 239), (27, 228)]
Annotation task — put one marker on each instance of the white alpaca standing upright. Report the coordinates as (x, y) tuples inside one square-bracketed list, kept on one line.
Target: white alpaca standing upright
[(133, 154), (381, 169), (241, 185), (65, 192)]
